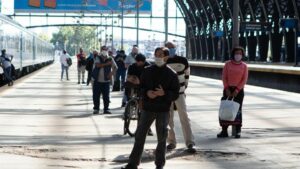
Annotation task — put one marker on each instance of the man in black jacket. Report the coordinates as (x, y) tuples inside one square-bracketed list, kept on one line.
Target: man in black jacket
[(160, 88)]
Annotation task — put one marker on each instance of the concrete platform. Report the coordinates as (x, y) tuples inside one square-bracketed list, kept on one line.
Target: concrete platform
[(47, 123)]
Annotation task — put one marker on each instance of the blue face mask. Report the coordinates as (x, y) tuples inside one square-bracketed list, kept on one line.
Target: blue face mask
[(172, 52)]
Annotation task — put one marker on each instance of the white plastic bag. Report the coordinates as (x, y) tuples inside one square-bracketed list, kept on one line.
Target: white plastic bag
[(228, 110)]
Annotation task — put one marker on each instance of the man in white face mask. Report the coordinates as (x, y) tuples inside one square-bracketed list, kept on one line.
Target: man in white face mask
[(102, 74), (159, 87)]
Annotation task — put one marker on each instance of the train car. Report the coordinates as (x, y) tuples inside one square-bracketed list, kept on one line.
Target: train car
[(29, 51)]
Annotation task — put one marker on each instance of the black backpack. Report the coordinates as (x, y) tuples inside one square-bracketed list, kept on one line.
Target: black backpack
[(69, 61)]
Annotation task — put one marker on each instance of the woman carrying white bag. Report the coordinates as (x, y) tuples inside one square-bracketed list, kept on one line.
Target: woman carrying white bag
[(234, 77)]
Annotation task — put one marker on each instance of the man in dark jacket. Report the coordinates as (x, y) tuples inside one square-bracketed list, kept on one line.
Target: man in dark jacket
[(160, 88)]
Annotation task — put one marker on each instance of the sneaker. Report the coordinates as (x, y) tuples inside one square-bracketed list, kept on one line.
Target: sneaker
[(171, 147), (96, 112), (106, 112), (150, 133), (191, 149)]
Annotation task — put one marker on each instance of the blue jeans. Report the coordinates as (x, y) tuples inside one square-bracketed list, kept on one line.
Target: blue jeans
[(7, 74), (161, 123), (122, 74), (63, 68), (98, 89)]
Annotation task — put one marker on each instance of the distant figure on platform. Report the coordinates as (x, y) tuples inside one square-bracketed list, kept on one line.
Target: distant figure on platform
[(121, 72), (64, 64), (5, 61), (181, 66), (81, 63), (159, 88), (234, 77), (89, 65), (129, 60)]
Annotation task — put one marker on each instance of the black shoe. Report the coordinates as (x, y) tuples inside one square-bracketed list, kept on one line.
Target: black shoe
[(150, 133), (83, 82), (191, 149), (123, 104), (171, 147), (106, 112), (159, 167), (78, 83), (223, 133), (128, 166), (96, 112)]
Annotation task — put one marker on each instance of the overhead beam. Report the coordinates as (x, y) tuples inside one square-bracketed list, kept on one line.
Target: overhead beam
[(102, 25)]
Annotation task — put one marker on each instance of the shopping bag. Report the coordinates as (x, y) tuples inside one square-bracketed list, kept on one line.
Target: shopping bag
[(228, 109)]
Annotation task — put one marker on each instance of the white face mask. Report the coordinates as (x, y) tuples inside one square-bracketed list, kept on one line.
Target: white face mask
[(238, 57), (159, 61), (104, 52)]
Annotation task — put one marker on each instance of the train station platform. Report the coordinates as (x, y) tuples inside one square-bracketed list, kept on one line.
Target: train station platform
[(47, 123)]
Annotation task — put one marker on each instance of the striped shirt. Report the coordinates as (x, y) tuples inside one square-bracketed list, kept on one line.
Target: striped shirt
[(181, 66)]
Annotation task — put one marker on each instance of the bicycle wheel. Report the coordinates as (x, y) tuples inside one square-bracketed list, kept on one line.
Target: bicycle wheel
[(131, 117)]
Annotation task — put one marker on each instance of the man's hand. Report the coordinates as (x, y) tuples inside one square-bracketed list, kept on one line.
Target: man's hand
[(150, 94), (159, 91)]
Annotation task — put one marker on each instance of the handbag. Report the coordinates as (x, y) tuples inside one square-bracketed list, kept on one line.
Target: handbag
[(228, 109)]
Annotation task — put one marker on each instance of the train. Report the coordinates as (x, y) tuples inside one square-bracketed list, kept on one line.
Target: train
[(29, 51)]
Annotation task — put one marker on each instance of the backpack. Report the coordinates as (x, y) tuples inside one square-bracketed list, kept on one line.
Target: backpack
[(69, 61)]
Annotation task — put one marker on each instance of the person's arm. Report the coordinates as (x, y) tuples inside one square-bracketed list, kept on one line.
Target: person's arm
[(114, 66), (11, 57), (225, 80), (187, 73), (244, 79), (225, 76)]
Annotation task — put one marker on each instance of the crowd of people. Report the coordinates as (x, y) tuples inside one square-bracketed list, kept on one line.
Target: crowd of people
[(162, 87)]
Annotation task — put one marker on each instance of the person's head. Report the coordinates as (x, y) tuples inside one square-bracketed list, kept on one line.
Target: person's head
[(104, 51), (122, 52), (110, 53), (135, 50), (3, 51), (80, 50), (64, 51), (172, 48), (160, 57), (140, 59), (237, 54), (95, 53)]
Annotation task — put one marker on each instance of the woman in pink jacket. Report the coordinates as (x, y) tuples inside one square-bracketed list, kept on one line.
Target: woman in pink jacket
[(234, 77)]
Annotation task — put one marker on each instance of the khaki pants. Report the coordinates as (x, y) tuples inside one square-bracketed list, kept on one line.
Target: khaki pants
[(81, 71), (184, 120)]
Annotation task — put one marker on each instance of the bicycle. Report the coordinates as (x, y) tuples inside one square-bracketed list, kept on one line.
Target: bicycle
[(132, 112)]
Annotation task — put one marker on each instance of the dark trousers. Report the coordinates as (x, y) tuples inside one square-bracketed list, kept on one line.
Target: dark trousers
[(239, 98), (98, 89), (121, 74), (161, 123), (89, 77)]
